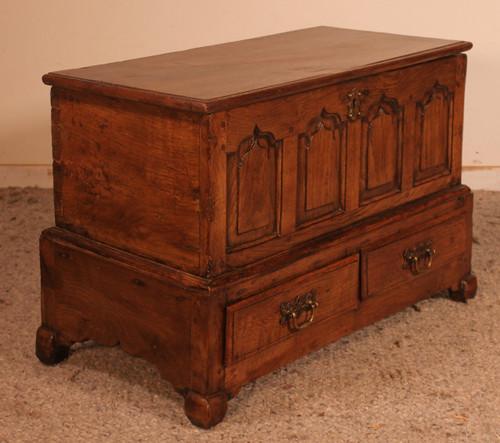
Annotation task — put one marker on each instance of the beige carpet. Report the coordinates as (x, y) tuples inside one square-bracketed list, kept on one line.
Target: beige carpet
[(425, 374)]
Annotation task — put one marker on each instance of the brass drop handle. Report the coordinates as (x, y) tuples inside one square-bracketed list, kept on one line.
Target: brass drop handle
[(293, 310), (307, 322), (419, 258)]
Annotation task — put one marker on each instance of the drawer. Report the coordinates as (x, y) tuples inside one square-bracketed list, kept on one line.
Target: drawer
[(265, 319), (417, 255)]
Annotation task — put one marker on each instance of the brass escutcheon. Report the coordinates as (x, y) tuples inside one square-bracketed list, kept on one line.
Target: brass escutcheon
[(354, 105), (293, 310), (419, 258)]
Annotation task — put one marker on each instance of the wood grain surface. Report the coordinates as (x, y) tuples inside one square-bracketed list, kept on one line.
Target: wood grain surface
[(188, 236), (127, 174), (222, 76)]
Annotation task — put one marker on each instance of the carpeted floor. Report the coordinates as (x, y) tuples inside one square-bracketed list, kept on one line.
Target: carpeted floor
[(425, 374)]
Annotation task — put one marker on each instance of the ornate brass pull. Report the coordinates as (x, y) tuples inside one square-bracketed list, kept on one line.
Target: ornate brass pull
[(354, 105), (419, 258), (293, 310)]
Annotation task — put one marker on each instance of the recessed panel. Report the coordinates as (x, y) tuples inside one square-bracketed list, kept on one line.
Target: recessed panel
[(381, 151), (433, 126), (254, 187), (321, 168), (256, 190)]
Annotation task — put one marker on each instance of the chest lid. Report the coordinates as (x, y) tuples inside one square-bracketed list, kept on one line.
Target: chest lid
[(227, 75)]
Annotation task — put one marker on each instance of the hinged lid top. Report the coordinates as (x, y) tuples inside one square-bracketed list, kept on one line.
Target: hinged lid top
[(233, 74)]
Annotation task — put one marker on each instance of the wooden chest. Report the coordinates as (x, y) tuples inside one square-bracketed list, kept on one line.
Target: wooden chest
[(222, 211)]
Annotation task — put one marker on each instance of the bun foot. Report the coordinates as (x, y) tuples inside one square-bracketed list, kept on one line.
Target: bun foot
[(50, 350), (205, 412), (466, 289)]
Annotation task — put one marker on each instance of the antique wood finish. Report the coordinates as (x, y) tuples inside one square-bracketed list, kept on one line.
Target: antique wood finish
[(452, 274), (235, 74), (213, 167), (101, 170), (433, 127), (381, 150), (322, 153), (254, 173), (88, 296), (380, 168), (309, 256), (447, 240), (201, 368), (205, 412), (467, 289), (50, 348), (255, 324), (225, 210)]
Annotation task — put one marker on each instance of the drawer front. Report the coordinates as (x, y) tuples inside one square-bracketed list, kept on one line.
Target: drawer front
[(417, 255), (267, 318)]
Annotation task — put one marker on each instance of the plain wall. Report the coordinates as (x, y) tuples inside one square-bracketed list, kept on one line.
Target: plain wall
[(37, 37)]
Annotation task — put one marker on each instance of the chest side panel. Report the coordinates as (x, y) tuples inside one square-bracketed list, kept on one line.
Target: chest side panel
[(127, 174), (91, 295)]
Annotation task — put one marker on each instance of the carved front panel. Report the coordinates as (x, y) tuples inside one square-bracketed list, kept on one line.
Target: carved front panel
[(433, 137), (381, 150), (321, 168), (254, 189)]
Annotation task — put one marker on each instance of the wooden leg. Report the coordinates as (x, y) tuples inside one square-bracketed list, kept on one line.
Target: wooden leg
[(205, 412), (50, 350), (466, 289)]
